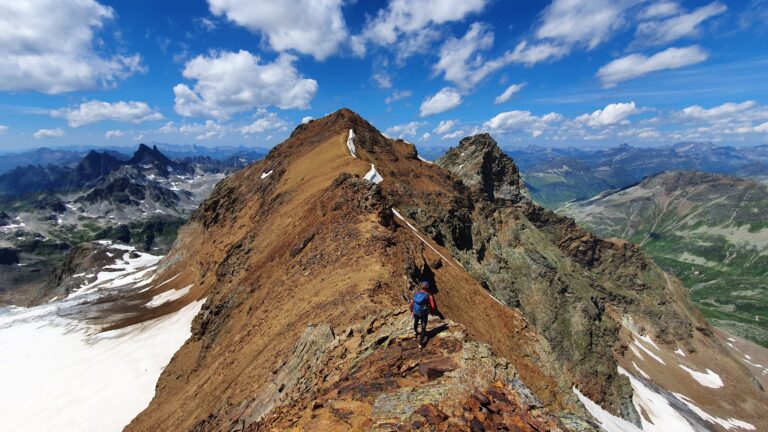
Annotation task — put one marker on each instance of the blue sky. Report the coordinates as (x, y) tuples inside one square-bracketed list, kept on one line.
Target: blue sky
[(241, 72)]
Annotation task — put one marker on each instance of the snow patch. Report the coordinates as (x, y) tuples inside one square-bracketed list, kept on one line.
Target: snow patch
[(729, 424), (424, 160), (636, 351), (351, 143), (640, 371), (680, 352), (62, 377), (659, 416), (265, 174), (648, 351), (647, 339), (168, 296), (709, 379), (607, 421), (128, 271), (373, 175), (19, 224)]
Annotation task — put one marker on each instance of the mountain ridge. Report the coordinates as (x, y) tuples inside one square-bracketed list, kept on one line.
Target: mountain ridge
[(280, 245)]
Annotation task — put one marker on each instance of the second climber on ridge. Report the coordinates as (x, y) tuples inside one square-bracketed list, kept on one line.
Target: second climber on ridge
[(422, 304)]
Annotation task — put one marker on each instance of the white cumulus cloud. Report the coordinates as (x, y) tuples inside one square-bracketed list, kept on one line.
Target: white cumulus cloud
[(530, 54), (676, 27), (461, 61), (612, 114), (583, 22), (202, 131), (314, 27), (509, 92), (405, 130), (521, 121), (567, 24), (407, 23), (697, 112), (49, 133), (445, 126), (264, 122), (397, 95), (447, 98), (96, 111), (113, 134), (48, 46), (232, 82), (3, 129), (453, 135), (168, 128), (636, 65), (661, 9)]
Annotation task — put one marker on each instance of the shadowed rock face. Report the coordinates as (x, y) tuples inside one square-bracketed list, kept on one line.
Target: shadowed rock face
[(9, 256)]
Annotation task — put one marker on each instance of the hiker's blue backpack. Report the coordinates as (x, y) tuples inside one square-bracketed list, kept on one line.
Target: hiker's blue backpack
[(420, 303)]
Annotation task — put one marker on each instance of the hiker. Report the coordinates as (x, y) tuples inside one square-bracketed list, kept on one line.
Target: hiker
[(422, 304)]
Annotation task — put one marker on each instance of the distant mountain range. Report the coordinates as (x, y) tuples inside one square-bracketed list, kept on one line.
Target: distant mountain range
[(140, 199), (71, 155), (555, 176), (710, 230)]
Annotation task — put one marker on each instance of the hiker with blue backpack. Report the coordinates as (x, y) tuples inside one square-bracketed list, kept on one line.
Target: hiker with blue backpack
[(422, 304)]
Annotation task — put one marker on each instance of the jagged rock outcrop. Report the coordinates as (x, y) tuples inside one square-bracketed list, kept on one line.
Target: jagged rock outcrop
[(147, 156), (481, 164)]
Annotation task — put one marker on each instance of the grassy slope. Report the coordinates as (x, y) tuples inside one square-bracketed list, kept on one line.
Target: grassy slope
[(708, 235)]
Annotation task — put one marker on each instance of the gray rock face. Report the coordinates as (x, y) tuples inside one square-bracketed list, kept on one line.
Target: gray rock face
[(294, 373), (481, 164)]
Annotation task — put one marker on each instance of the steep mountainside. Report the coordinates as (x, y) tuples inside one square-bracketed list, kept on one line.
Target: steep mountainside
[(307, 259), (556, 176), (709, 230)]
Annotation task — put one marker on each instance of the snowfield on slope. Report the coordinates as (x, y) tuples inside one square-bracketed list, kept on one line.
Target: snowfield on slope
[(123, 272), (657, 412), (64, 374)]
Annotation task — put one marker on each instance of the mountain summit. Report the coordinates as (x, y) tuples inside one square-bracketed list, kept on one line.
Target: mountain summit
[(307, 259)]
